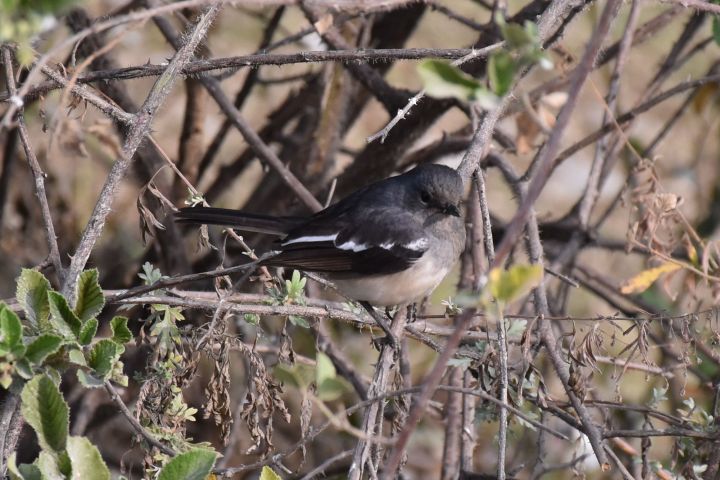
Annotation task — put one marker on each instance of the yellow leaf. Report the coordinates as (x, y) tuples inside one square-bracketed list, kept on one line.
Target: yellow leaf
[(642, 281), (268, 473), (509, 285), (692, 253)]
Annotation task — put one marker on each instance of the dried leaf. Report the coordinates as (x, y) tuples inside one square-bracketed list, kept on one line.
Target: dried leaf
[(72, 138), (148, 221), (643, 280), (217, 393), (324, 23), (705, 95), (305, 417), (286, 353), (527, 132), (105, 133), (263, 400)]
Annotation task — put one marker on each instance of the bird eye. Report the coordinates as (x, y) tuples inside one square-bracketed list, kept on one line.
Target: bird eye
[(424, 196)]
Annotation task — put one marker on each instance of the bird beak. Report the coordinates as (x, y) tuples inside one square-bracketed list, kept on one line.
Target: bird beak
[(451, 210)]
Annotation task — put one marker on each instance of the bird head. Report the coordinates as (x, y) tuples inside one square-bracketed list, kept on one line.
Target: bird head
[(435, 189)]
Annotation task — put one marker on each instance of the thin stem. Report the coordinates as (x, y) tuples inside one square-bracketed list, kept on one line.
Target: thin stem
[(139, 429), (37, 172), (137, 131), (199, 66)]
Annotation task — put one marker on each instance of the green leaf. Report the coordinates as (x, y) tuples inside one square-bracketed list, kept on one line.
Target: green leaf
[(150, 274), (324, 368), (89, 380), (268, 473), (32, 288), (516, 36), (331, 389), (299, 321), (54, 375), (442, 80), (120, 332), (22, 472), (103, 356), (62, 317), (509, 285), (24, 369), (41, 347), (86, 460), (193, 465), (6, 378), (501, 72), (90, 300), (77, 357), (716, 29), (117, 374), (45, 410), (298, 375), (49, 468), (329, 386), (515, 328), (10, 328), (88, 331), (295, 287), (165, 328), (11, 346)]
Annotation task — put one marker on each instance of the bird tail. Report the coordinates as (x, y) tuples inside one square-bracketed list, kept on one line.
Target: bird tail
[(249, 222)]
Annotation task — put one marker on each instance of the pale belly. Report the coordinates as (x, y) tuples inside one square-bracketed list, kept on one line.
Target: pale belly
[(394, 289)]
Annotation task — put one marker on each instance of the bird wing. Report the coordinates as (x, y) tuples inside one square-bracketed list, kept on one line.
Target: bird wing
[(381, 241)]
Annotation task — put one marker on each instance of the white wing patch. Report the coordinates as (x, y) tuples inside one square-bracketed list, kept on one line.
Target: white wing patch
[(351, 245), (417, 245), (311, 238)]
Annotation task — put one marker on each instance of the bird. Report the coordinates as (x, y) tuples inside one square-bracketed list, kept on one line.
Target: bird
[(389, 243)]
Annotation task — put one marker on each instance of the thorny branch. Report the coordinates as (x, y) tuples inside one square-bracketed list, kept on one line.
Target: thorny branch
[(36, 171), (549, 324), (140, 127), (197, 67)]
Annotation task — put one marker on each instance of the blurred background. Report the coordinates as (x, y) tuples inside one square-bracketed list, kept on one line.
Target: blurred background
[(640, 344)]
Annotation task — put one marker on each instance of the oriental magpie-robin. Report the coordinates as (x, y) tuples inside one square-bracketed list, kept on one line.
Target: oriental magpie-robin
[(389, 243)]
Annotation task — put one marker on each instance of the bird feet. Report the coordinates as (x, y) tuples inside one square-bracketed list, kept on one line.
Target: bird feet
[(389, 338)]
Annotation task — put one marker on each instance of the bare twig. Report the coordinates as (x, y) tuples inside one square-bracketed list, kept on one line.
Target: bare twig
[(379, 398), (137, 132), (263, 151), (113, 22), (548, 152), (471, 55), (624, 471), (605, 149), (363, 455), (11, 422), (698, 5), (633, 113), (478, 149), (37, 172), (139, 429), (244, 92), (9, 156), (198, 67), (320, 469)]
